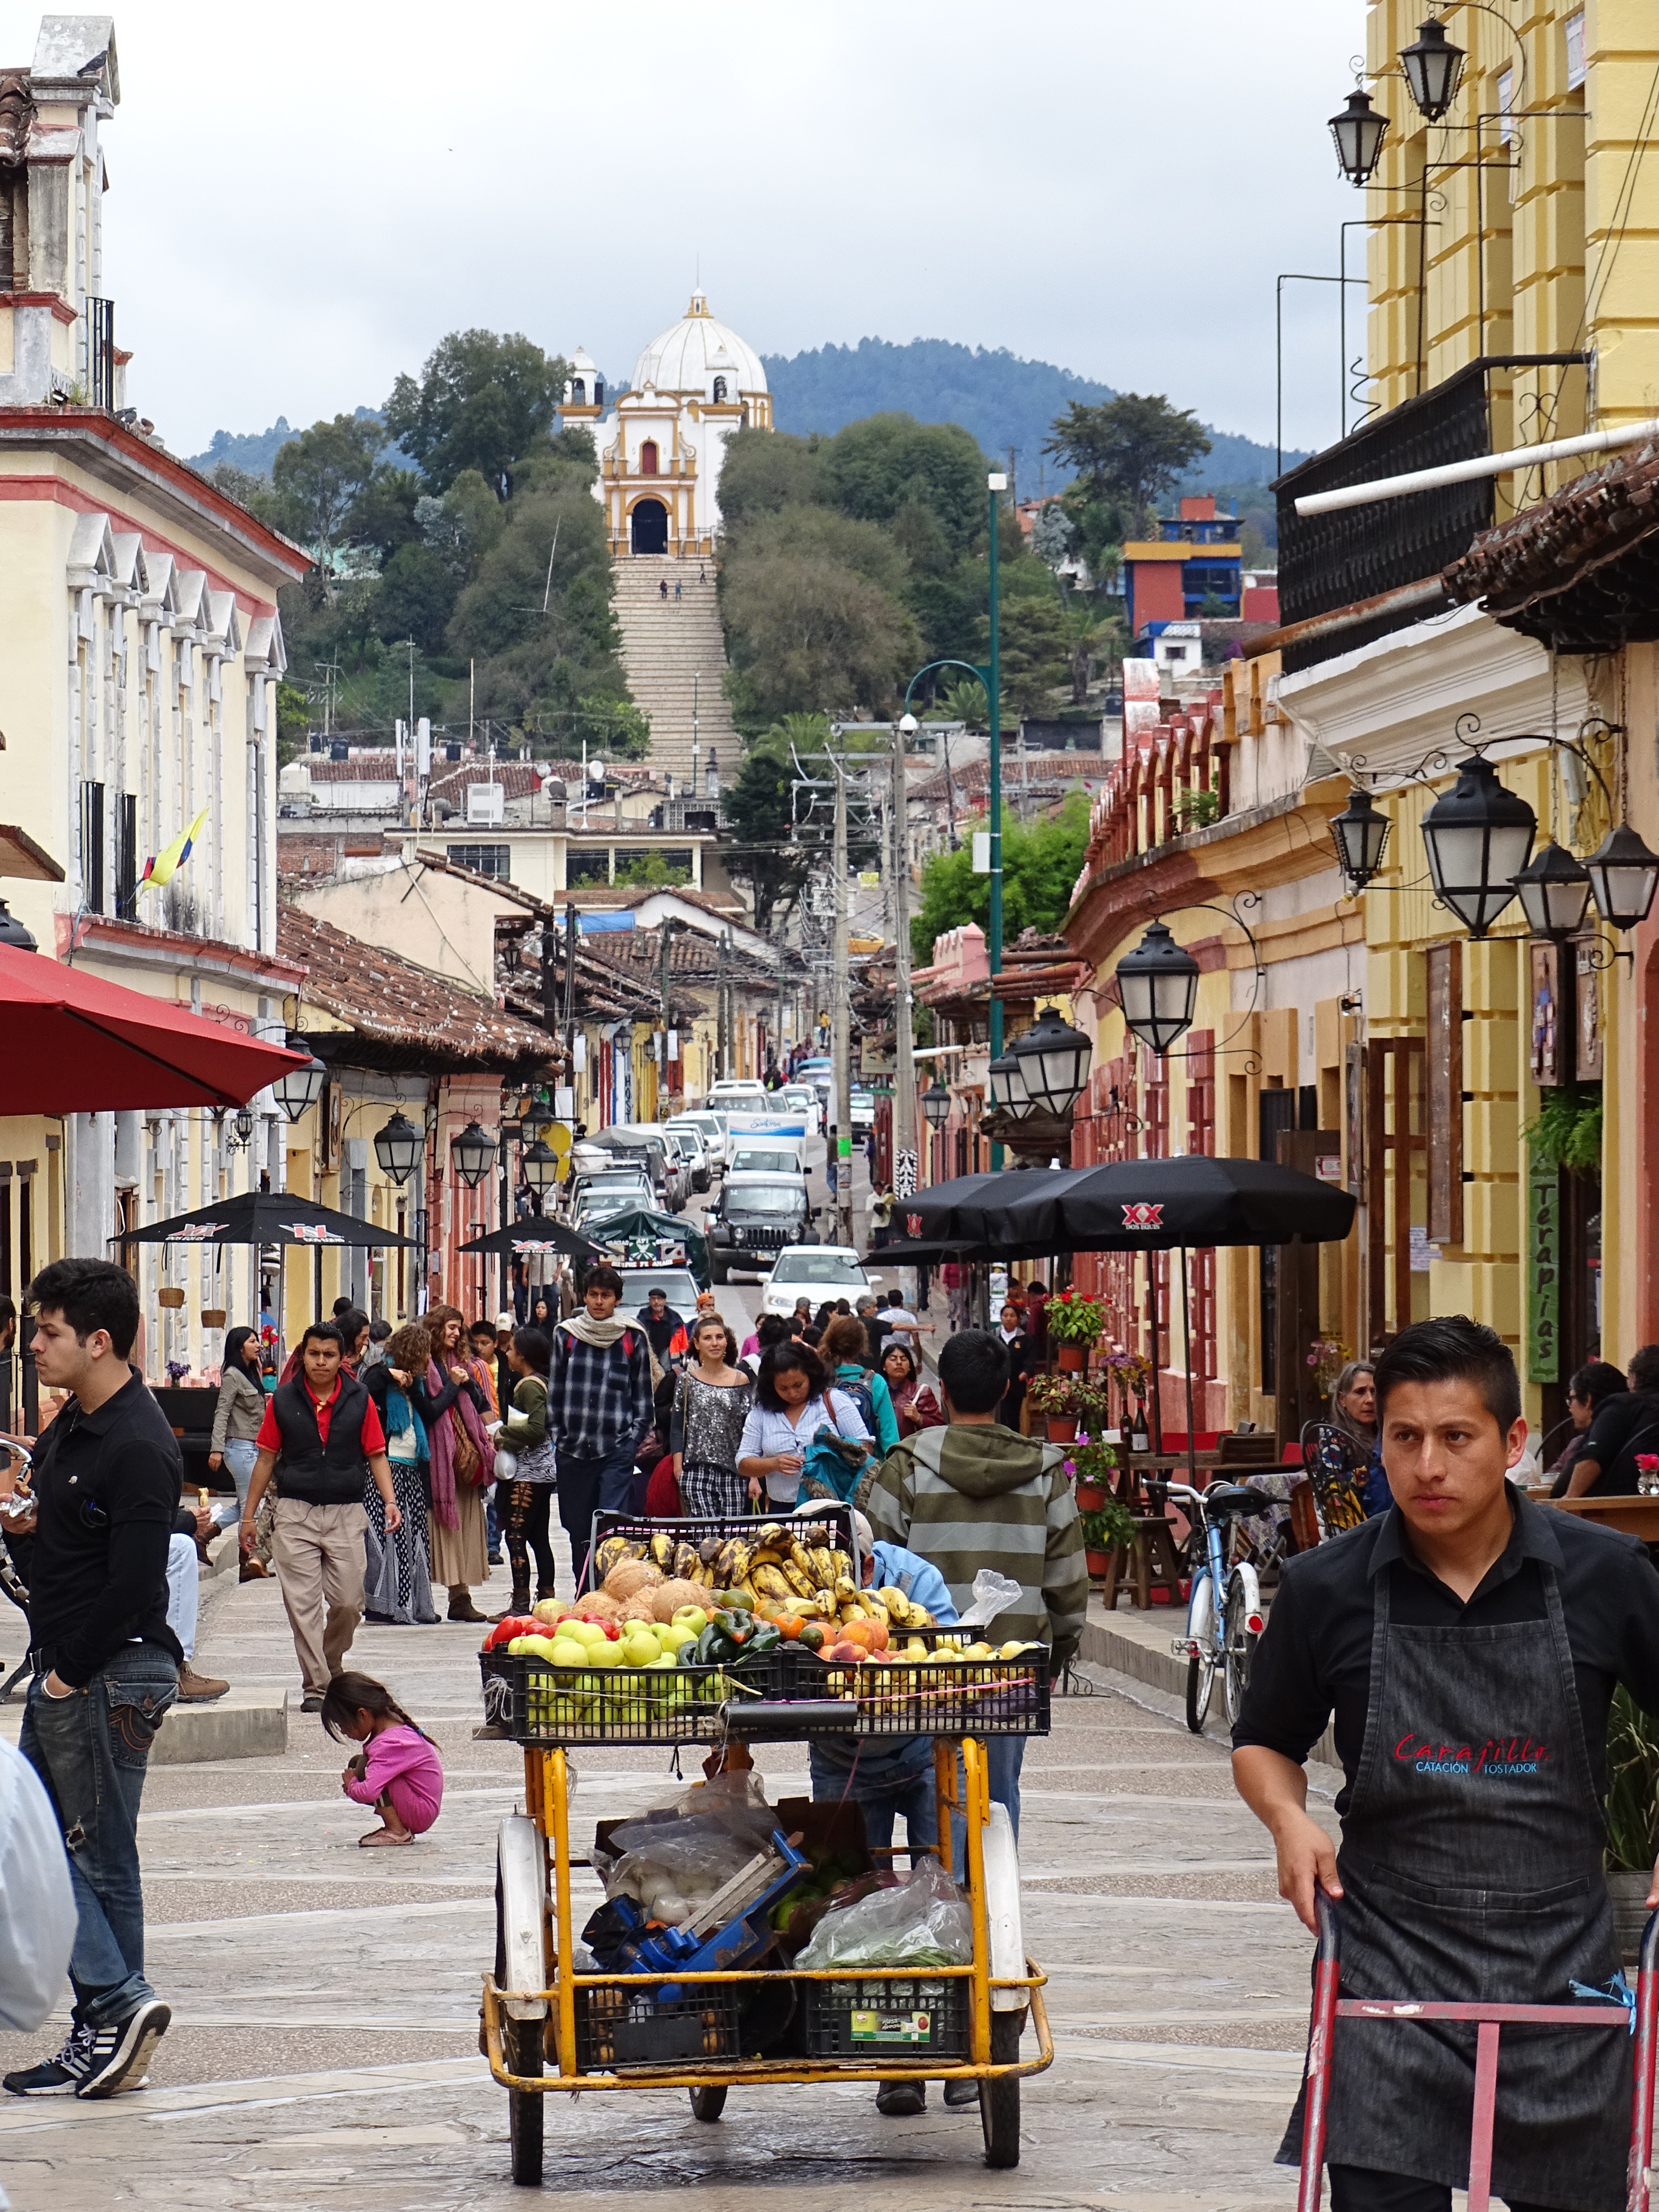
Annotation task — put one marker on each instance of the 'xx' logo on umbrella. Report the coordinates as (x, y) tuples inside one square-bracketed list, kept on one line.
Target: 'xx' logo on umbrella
[(1143, 1216), (306, 1232), (913, 1223)]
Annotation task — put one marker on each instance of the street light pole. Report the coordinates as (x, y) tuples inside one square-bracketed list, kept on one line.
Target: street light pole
[(904, 1035), (841, 1161), (994, 944)]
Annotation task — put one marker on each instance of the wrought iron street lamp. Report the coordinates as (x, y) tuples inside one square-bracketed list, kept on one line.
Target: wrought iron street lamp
[(300, 1086), (1053, 1058), (399, 1147), (1478, 837), (1157, 984), (242, 1128), (1554, 890), (1434, 70), (540, 1164), (1358, 132), (936, 1105), (473, 1153), (1624, 875), (1360, 835), (13, 933), (1008, 1092)]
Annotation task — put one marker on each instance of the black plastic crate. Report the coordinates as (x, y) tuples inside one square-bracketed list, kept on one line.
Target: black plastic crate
[(539, 1703), (622, 2025), (831, 1516), (912, 2016), (926, 1697)]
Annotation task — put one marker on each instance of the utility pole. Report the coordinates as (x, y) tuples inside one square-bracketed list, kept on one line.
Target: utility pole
[(993, 937), (904, 1034), (841, 1166)]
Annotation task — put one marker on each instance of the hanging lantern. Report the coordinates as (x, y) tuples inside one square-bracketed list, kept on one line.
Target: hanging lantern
[(1358, 132), (13, 932), (300, 1086), (1554, 890), (1008, 1091), (243, 1126), (1623, 876), (1360, 834), (541, 1165), (1434, 70), (1157, 984), (1479, 836), (936, 1105), (1053, 1058), (472, 1152), (399, 1147)]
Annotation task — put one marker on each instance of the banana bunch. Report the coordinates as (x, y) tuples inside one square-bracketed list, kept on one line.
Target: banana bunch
[(615, 1549), (903, 1612)]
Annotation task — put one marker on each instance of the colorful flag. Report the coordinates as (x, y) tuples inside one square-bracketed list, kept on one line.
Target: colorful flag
[(164, 865)]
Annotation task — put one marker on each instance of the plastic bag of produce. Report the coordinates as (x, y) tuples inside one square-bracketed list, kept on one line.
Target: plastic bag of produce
[(922, 1922), (672, 1859)]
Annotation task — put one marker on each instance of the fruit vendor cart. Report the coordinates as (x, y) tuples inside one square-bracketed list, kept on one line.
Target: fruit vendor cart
[(693, 2023)]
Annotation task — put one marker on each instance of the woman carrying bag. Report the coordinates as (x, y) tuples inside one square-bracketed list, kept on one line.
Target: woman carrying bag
[(397, 1580), (452, 1405), (525, 1471)]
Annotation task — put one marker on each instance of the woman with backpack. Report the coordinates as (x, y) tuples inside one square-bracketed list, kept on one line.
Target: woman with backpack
[(844, 1348), (793, 1402)]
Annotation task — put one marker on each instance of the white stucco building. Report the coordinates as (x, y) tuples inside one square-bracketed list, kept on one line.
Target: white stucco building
[(661, 446)]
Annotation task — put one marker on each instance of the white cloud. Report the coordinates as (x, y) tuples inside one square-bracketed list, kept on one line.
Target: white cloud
[(304, 200)]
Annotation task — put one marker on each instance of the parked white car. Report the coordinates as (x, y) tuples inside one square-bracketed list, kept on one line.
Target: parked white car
[(816, 1272), (712, 1127), (802, 1098)]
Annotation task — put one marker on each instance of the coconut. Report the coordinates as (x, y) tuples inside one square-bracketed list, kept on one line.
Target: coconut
[(629, 1576), (599, 1607), (668, 1597)]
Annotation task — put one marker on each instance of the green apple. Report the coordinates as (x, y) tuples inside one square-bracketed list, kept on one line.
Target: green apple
[(673, 1636), (692, 1619), (605, 1653), (586, 1632), (640, 1647), (566, 1651), (629, 1626), (542, 1646)]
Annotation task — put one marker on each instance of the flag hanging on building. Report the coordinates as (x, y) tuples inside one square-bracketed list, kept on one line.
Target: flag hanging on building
[(164, 865)]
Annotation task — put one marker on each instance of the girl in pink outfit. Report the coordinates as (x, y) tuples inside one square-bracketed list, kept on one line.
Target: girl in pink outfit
[(398, 1772)]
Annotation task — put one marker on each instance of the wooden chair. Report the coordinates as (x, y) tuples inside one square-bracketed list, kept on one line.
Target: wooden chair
[(1152, 1562)]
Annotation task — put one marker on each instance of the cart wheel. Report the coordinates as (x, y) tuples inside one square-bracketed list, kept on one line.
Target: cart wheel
[(708, 2104), (999, 2100), (521, 2042)]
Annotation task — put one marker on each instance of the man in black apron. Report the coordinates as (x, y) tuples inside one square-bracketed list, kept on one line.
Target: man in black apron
[(1468, 1643)]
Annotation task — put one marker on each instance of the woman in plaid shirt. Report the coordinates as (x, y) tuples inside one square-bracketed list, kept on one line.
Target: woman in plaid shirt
[(598, 1408)]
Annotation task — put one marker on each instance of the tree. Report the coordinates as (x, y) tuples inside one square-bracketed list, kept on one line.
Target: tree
[(813, 618), (383, 513), (765, 471), (765, 853), (887, 462), (650, 869), (966, 702), (1088, 632), (1131, 448), (1033, 650), (483, 402), (319, 477), (1052, 534), (415, 597), (1040, 864)]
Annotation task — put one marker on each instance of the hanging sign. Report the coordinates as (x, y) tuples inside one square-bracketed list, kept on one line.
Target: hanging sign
[(1543, 1246)]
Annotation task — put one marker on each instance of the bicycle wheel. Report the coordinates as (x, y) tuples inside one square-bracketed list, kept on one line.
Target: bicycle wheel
[(1239, 1648), (1200, 1669)]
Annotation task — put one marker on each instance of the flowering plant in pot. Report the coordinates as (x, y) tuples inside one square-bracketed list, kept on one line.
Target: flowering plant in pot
[(1051, 1395), (1074, 1323), (1106, 1529), (1131, 1374), (1328, 1356), (1091, 1465)]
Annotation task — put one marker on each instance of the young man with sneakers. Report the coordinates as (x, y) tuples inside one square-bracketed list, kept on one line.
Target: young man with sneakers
[(108, 1475)]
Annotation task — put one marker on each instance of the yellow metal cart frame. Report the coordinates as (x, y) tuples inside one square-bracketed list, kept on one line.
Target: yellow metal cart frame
[(533, 2026)]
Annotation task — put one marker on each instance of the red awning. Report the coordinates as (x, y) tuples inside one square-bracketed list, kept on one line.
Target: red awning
[(71, 1043)]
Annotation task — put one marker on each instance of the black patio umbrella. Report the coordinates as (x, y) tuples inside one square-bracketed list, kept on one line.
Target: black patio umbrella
[(1131, 1205), (267, 1217), (533, 1236)]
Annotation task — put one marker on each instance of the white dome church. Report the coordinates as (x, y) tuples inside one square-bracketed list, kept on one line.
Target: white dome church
[(661, 448)]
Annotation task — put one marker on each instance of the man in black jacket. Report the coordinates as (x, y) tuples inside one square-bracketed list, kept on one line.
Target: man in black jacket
[(107, 1476), (320, 1429)]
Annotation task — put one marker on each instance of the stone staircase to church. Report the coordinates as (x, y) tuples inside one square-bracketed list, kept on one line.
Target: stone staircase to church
[(665, 644)]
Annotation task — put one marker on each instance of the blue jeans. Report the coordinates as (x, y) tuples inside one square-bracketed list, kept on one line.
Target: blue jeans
[(239, 1455), (603, 1483), (886, 1780), (91, 1749)]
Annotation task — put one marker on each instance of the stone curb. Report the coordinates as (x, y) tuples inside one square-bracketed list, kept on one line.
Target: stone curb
[(242, 1724)]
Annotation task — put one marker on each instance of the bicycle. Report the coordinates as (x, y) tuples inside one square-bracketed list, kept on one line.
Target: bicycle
[(1219, 1640)]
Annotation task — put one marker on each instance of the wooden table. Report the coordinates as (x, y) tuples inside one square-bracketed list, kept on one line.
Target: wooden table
[(1134, 1468), (1632, 1515)]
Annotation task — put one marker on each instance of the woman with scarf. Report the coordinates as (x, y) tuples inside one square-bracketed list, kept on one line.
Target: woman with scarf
[(452, 1405), (397, 1581), (914, 1406)]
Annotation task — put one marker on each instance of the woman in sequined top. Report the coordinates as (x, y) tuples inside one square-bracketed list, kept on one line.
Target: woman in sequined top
[(710, 1408)]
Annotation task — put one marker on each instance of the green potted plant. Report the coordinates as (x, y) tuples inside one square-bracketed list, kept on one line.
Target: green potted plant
[(1632, 1816), (1075, 1322), (1092, 1464), (1106, 1529), (1051, 1396)]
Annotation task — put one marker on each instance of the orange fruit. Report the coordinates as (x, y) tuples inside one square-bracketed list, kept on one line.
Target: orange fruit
[(862, 1632)]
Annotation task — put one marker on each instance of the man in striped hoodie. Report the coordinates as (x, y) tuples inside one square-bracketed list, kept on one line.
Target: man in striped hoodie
[(975, 1494)]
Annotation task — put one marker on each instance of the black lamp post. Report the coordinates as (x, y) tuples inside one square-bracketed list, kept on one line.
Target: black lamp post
[(243, 1129), (1360, 835), (1053, 1058), (13, 933), (1008, 1092), (1478, 837), (399, 1148), (300, 1086), (936, 1105), (1358, 133), (541, 1165), (1624, 875), (472, 1152), (1434, 70), (1555, 888), (1157, 984)]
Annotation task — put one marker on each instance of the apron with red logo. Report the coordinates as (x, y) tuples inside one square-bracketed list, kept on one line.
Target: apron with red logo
[(1472, 1872)]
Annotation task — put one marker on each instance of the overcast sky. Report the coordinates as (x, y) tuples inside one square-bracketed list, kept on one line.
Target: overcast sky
[(304, 199)]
